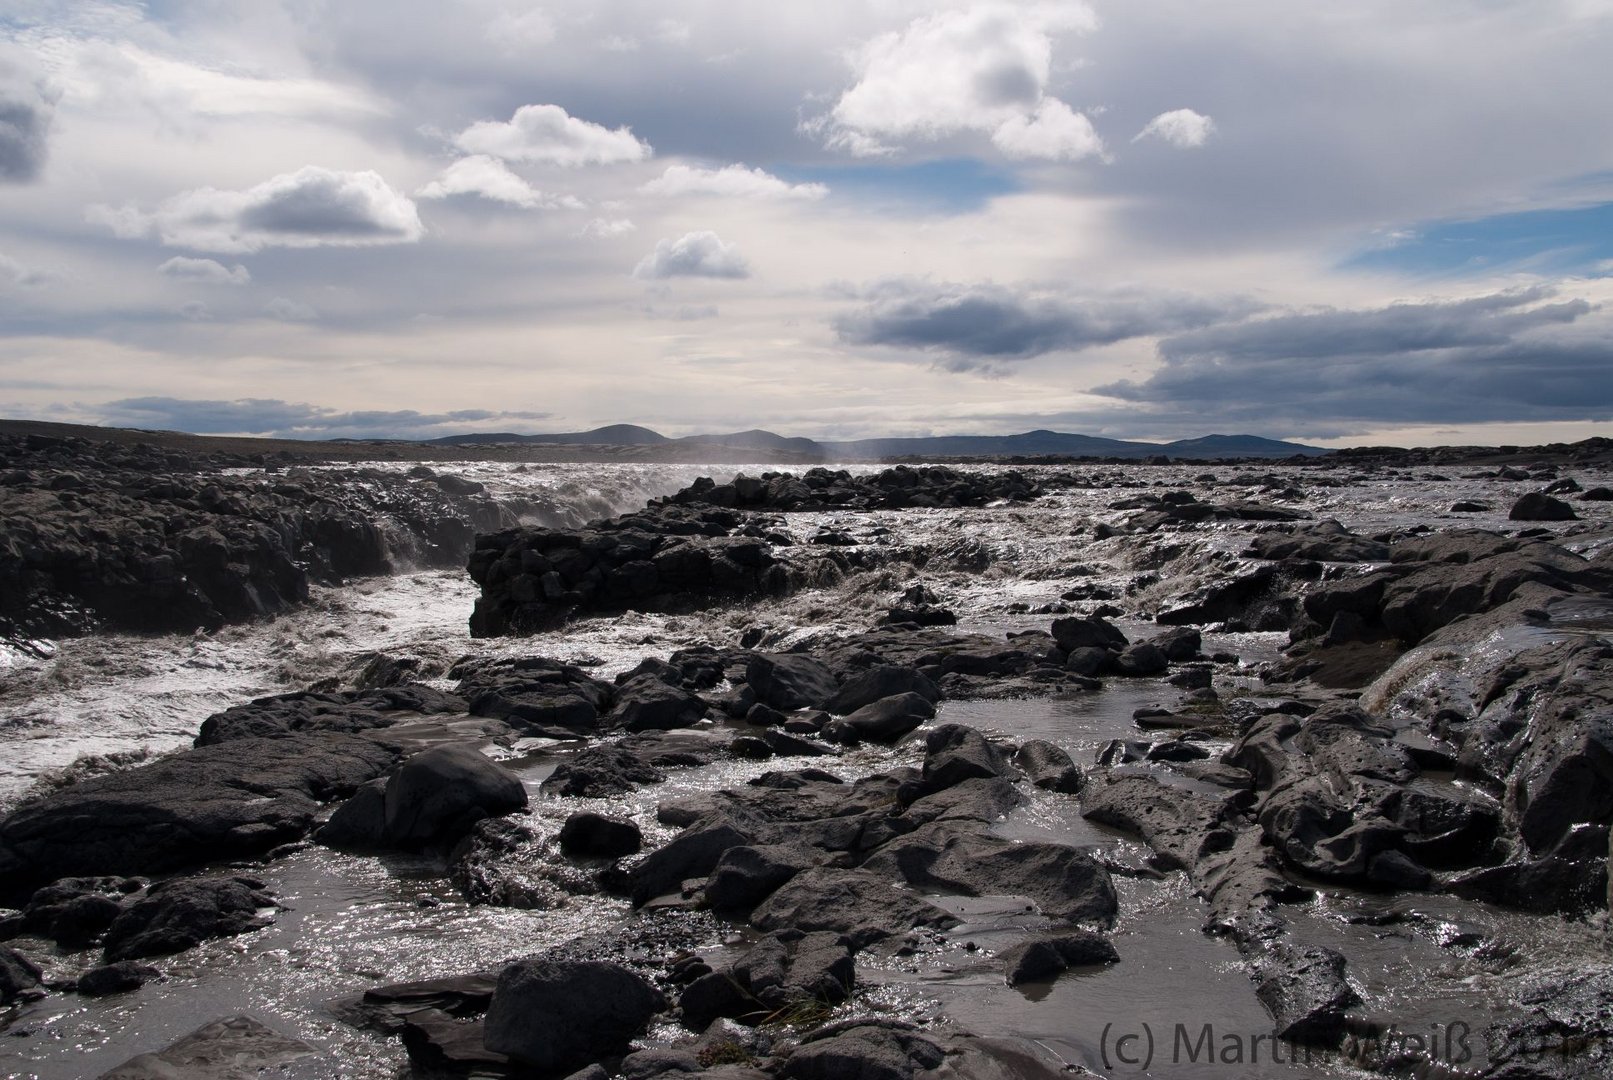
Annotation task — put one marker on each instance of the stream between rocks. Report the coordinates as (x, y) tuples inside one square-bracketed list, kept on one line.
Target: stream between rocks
[(1440, 982)]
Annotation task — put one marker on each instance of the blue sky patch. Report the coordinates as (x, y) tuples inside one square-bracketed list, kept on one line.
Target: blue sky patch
[(1576, 241), (954, 185)]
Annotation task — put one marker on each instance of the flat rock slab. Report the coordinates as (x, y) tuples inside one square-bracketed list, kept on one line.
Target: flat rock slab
[(235, 1048)]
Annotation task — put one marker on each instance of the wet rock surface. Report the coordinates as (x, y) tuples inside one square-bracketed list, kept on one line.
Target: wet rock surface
[(761, 852)]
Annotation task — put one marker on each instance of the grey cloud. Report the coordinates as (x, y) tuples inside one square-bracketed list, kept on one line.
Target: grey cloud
[(1501, 357), (26, 107), (312, 207), (204, 271), (295, 420), (976, 323), (696, 254)]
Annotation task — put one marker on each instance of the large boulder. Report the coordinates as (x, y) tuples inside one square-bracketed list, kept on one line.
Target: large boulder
[(1066, 883), (954, 753), (182, 913), (884, 721), (1535, 506), (231, 801), (558, 1015), (646, 703), (437, 795), (886, 680), (594, 835), (857, 903), (789, 681)]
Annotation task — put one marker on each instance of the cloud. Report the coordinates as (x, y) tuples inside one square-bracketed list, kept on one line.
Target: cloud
[(545, 134), (290, 310), (1182, 128), (515, 31), (204, 271), (13, 272), (731, 181), (696, 254), (982, 70), (975, 324), (295, 420), (1509, 355), (26, 108), (312, 207), (489, 178), (606, 228), (1054, 132)]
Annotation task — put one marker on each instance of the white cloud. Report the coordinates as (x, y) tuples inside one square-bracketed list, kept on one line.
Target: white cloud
[(1054, 132), (490, 178), (732, 181), (983, 70), (204, 271), (290, 310), (696, 254), (605, 228), (547, 134), (519, 30), (1179, 127), (312, 207)]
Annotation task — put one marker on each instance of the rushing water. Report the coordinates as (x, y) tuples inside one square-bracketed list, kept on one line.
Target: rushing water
[(102, 702)]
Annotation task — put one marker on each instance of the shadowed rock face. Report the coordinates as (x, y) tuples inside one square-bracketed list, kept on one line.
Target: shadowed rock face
[(557, 1015), (232, 800), (135, 538)]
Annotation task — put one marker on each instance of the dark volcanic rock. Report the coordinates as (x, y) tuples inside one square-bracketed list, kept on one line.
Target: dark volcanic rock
[(18, 975), (1537, 507), (789, 681), (745, 876), (237, 1046), (852, 902), (1046, 955), (117, 978), (864, 1050), (591, 834), (1065, 882), (601, 771), (886, 680), (180, 914), (438, 794), (556, 1015), (100, 534), (229, 801), (1304, 989), (886, 720), (1049, 767), (646, 703)]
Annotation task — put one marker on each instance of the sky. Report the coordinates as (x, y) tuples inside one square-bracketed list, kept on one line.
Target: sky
[(1374, 222)]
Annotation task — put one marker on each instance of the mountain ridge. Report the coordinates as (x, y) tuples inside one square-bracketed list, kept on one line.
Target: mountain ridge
[(1038, 443)]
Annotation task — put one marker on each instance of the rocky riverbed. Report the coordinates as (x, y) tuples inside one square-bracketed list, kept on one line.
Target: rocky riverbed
[(1200, 770)]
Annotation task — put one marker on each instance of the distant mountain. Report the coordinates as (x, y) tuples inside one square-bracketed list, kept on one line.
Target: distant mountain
[(757, 439), (1028, 444), (1213, 446), (1040, 443), (612, 435)]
